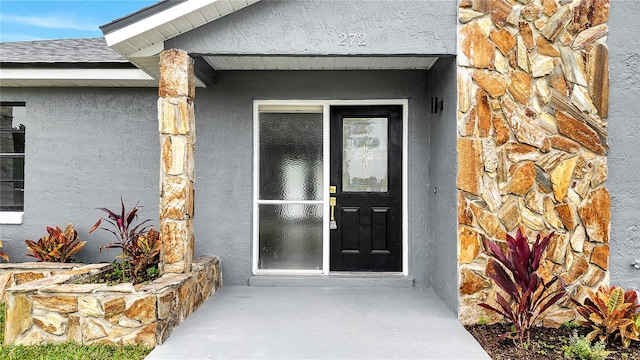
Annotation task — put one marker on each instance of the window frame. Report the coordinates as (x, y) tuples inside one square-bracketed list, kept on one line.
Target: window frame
[(15, 217)]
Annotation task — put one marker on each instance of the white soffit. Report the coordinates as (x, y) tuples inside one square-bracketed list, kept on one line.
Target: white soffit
[(76, 77), (176, 20), (320, 62)]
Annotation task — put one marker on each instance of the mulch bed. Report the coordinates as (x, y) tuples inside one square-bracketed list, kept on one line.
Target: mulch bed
[(546, 343)]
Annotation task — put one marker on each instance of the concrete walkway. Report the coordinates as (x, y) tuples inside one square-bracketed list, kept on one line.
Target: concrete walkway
[(321, 323)]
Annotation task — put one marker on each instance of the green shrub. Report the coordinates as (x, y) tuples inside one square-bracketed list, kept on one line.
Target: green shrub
[(581, 348)]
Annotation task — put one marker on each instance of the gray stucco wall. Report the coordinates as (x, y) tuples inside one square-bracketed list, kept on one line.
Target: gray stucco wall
[(86, 147), (314, 28), (624, 135), (443, 250), (224, 152)]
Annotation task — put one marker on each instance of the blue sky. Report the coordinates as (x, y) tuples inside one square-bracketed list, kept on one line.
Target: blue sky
[(23, 20)]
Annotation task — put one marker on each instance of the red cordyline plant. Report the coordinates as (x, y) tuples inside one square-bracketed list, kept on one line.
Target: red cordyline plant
[(140, 243), (516, 272)]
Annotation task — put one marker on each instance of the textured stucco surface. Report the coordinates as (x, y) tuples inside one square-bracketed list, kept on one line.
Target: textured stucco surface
[(314, 27), (86, 148), (224, 152), (443, 247), (624, 133)]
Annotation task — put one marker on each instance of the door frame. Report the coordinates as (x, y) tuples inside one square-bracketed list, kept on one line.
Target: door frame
[(326, 105)]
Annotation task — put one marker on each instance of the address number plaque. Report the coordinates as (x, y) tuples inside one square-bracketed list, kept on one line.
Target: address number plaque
[(352, 39)]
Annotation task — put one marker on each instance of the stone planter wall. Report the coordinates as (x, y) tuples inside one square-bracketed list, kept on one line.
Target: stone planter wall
[(532, 140), (52, 308)]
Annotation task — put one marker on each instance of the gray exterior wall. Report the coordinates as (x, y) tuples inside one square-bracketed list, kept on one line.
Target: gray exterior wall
[(85, 155), (443, 219), (224, 152), (313, 28), (624, 135), (85, 148)]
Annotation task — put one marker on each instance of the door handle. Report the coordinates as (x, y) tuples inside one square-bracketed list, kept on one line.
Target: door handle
[(332, 203)]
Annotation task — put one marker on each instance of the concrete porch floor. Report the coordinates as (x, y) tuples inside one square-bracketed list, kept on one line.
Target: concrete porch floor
[(321, 323)]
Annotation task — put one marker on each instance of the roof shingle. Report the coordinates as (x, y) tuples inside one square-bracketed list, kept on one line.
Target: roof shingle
[(66, 51)]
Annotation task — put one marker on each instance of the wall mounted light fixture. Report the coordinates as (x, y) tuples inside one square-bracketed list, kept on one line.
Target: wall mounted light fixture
[(436, 105)]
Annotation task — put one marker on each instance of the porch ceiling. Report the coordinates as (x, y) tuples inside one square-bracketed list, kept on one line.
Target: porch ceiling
[(320, 62), (261, 62)]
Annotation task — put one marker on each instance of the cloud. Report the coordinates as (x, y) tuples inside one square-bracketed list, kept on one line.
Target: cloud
[(50, 22)]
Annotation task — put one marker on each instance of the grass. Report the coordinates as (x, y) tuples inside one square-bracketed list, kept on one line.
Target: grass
[(68, 351), (1, 324)]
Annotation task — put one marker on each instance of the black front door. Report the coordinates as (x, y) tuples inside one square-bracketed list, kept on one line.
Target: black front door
[(366, 175)]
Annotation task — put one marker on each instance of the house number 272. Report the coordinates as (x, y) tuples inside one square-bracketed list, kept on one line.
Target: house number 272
[(352, 39)]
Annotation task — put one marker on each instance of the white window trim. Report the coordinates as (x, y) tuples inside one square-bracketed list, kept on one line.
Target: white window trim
[(326, 104), (11, 217)]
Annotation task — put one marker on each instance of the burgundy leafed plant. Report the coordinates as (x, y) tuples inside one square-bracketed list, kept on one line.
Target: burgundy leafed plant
[(516, 272), (140, 243)]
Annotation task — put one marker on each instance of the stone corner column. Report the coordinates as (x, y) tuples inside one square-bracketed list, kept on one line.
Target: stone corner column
[(532, 108), (176, 122)]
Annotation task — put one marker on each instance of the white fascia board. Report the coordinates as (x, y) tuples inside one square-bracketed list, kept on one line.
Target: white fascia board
[(156, 20), (74, 74)]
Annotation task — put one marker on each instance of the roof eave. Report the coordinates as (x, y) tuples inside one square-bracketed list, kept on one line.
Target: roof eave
[(140, 36)]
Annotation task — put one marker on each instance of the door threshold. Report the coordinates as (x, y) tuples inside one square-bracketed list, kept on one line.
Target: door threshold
[(335, 279)]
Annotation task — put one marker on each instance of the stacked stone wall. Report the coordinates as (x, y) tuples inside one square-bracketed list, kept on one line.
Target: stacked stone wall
[(533, 88), (45, 305)]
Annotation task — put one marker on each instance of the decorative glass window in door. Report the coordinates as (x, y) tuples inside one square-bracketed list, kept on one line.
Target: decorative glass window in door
[(290, 164), (364, 154)]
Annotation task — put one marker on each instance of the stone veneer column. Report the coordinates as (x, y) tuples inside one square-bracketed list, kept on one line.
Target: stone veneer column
[(533, 88), (176, 122)]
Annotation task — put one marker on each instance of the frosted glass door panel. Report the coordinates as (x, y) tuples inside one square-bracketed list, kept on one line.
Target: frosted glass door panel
[(290, 236), (291, 156), (364, 154), (291, 181)]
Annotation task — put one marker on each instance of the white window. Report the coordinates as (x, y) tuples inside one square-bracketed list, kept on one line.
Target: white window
[(12, 159)]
